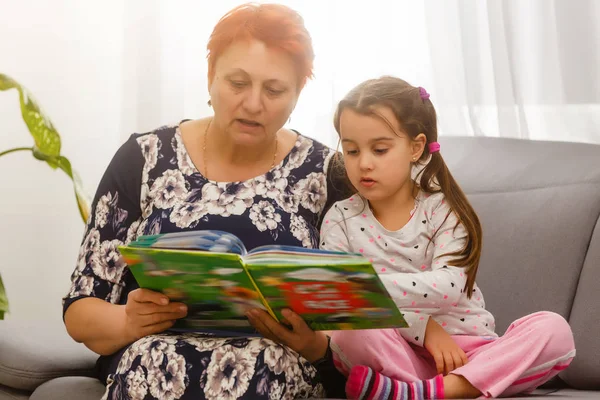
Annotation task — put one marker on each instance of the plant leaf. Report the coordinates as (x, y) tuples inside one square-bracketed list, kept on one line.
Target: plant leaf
[(45, 136), (3, 300), (83, 202)]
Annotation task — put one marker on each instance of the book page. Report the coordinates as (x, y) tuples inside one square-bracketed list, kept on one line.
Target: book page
[(329, 296), (215, 287), (214, 241)]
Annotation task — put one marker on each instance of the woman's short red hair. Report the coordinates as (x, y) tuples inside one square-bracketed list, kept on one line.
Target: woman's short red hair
[(276, 25)]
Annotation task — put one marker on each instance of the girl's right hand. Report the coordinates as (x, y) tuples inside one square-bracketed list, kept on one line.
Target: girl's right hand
[(148, 312), (447, 354)]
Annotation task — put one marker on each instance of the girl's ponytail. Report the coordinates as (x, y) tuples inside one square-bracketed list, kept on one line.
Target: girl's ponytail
[(436, 177)]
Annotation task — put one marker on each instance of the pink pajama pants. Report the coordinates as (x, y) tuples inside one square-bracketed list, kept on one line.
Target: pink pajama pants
[(534, 349)]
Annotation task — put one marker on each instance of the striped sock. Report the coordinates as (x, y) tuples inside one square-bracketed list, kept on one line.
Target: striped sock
[(366, 384)]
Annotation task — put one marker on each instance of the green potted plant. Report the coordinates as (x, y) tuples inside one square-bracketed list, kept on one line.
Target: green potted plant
[(46, 148)]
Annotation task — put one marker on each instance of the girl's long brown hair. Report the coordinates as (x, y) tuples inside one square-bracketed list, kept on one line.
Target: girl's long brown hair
[(416, 115)]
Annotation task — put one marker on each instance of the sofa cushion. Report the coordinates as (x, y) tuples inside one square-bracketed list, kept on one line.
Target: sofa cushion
[(584, 372), (31, 354), (539, 204), (527, 265), (7, 393), (64, 388)]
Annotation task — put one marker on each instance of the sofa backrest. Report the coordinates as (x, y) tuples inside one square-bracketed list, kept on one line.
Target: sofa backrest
[(539, 204)]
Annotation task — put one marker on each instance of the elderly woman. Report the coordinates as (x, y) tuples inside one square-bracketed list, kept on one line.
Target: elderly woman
[(238, 171)]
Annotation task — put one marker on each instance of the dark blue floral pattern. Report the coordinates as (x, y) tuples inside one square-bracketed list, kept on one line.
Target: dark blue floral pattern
[(152, 186)]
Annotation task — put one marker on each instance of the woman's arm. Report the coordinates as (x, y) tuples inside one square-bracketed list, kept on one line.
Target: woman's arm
[(95, 311), (106, 328), (97, 324)]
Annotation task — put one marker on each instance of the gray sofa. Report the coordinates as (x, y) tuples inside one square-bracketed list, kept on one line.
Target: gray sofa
[(539, 203)]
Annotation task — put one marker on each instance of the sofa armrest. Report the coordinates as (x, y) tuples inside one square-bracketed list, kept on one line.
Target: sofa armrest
[(32, 353)]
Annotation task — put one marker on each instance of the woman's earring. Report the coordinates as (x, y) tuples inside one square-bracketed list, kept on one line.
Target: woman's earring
[(209, 103), (414, 159)]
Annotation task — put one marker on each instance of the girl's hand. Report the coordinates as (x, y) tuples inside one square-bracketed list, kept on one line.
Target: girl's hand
[(300, 338), (446, 353)]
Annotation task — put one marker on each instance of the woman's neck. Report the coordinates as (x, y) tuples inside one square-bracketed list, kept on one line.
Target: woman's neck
[(223, 150)]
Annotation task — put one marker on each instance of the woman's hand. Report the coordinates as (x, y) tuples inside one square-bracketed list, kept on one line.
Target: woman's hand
[(300, 338), (446, 353), (148, 312)]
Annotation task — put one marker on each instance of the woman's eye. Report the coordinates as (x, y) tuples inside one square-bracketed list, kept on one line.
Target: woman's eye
[(274, 92), (238, 84), (381, 151)]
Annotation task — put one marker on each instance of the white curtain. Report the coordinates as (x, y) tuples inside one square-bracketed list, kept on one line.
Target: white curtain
[(102, 70), (517, 68), (513, 68)]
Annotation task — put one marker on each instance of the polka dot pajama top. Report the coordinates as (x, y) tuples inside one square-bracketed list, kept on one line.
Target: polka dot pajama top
[(413, 264)]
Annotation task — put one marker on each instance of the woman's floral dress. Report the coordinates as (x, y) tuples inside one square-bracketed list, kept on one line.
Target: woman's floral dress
[(151, 186)]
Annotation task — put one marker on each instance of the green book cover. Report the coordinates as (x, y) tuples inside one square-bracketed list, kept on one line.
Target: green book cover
[(219, 280)]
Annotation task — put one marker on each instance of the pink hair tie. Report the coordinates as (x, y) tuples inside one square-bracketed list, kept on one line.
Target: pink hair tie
[(433, 147), (423, 93)]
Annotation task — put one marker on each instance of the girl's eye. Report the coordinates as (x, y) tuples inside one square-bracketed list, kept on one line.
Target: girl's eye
[(351, 152)]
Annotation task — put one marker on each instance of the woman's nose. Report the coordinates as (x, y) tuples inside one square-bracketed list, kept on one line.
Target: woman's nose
[(252, 101)]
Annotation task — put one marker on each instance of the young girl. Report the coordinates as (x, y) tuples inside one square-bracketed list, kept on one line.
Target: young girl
[(412, 220)]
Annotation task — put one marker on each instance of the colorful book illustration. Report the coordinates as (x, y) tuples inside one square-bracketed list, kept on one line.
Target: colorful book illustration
[(213, 273)]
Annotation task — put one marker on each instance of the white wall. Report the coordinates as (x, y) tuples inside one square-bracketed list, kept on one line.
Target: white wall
[(102, 70), (69, 55)]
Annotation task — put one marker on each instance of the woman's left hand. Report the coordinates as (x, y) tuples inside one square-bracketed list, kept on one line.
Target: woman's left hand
[(300, 338)]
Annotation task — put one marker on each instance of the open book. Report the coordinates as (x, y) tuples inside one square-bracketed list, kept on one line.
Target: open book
[(219, 280)]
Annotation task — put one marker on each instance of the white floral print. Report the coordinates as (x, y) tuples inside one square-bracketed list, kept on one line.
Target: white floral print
[(275, 360), (108, 264), (299, 229), (277, 207), (187, 214), (150, 145), (115, 293), (137, 386), (168, 382), (81, 263), (276, 390), (155, 350), (264, 217), (288, 201), (91, 242), (127, 359), (314, 191), (184, 163), (84, 285), (102, 210), (229, 373), (145, 200), (272, 183), (168, 189), (226, 199), (133, 230), (299, 153), (204, 343)]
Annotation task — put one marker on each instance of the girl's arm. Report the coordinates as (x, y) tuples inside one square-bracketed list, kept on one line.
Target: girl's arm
[(440, 286), (333, 231)]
